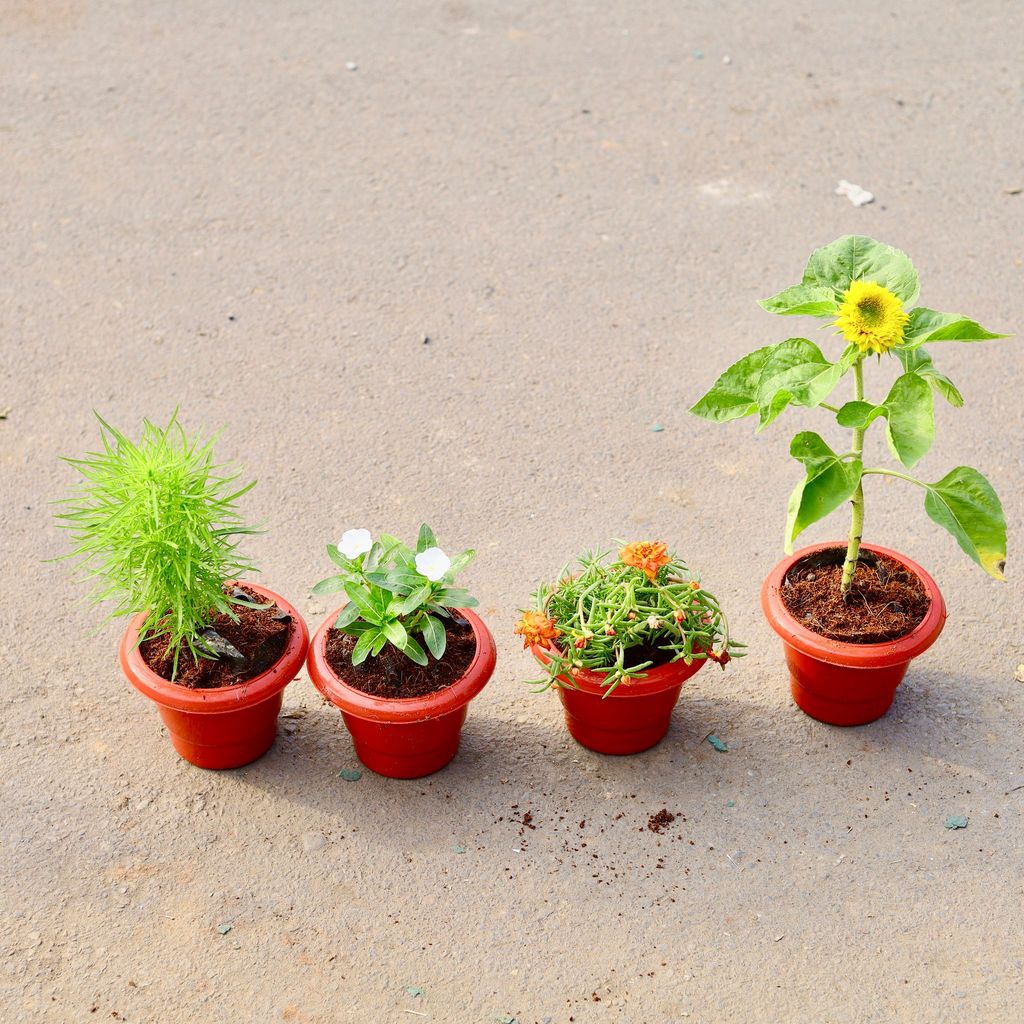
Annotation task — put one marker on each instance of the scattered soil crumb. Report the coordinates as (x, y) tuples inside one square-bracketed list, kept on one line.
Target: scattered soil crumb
[(660, 821)]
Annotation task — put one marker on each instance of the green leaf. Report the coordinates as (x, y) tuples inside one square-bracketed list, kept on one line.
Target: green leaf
[(361, 651), (828, 483), (796, 371), (347, 615), (434, 634), (456, 598), (386, 582), (964, 503), (412, 602), (917, 360), (338, 558), (378, 645), (928, 325), (331, 585), (768, 380), (395, 632), (413, 651), (859, 258), (734, 394), (460, 561), (858, 415), (802, 300), (911, 418), (363, 601), (426, 539)]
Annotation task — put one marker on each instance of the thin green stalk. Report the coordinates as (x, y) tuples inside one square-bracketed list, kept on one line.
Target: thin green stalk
[(892, 472), (857, 519)]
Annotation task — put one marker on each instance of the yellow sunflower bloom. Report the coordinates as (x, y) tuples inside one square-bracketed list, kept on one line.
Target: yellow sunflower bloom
[(871, 317)]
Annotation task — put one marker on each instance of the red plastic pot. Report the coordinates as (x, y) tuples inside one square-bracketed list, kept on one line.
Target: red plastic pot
[(841, 683), (633, 717), (404, 737), (228, 726)]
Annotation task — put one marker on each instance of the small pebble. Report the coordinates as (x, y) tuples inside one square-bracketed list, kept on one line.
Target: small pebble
[(351, 66), (727, 60)]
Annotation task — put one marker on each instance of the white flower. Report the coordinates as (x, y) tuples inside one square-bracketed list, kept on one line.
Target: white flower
[(433, 563), (354, 543)]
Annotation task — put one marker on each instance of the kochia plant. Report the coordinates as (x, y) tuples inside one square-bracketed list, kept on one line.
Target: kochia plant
[(395, 594), (867, 290), (154, 526)]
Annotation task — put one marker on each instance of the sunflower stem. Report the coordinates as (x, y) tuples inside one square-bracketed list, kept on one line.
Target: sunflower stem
[(857, 519)]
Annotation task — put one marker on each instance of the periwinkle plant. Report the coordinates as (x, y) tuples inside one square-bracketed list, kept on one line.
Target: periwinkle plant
[(867, 290), (396, 595)]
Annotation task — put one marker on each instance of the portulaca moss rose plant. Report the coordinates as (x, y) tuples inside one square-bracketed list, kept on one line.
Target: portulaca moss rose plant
[(618, 617), (397, 596), (618, 636), (849, 593)]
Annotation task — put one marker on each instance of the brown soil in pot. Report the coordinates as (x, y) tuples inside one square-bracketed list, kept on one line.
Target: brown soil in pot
[(258, 639), (392, 674), (886, 600)]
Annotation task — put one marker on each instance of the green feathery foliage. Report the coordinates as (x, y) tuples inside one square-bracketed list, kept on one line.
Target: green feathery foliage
[(154, 525)]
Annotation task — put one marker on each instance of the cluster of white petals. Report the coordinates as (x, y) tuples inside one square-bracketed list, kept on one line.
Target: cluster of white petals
[(433, 563), (354, 543)]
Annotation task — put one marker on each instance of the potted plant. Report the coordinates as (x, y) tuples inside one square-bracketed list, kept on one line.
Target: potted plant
[(403, 656), (617, 639), (155, 527), (852, 616)]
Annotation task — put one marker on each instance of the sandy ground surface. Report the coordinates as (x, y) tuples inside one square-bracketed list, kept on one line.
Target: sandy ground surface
[(202, 204)]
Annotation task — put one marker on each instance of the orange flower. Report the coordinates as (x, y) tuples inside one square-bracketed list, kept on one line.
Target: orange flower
[(648, 555), (536, 628)]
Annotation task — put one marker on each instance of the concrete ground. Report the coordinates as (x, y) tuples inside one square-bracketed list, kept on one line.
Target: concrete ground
[(260, 210)]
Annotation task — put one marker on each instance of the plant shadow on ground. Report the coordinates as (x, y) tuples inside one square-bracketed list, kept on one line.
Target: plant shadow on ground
[(507, 764)]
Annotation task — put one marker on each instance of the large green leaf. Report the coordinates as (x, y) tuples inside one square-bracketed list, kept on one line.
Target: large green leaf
[(828, 483), (928, 325), (435, 636), (796, 371), (910, 414), (426, 539), (331, 585), (734, 394), (802, 300), (363, 601), (769, 379), (858, 415), (363, 646), (859, 258), (964, 503), (917, 360), (414, 651), (395, 632), (347, 616)]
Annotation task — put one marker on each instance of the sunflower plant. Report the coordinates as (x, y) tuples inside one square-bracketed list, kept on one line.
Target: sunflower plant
[(154, 527), (618, 618), (396, 595), (868, 291)]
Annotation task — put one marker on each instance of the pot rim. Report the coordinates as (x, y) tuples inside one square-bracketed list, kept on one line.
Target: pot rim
[(224, 698), (402, 710), (839, 652), (654, 680)]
